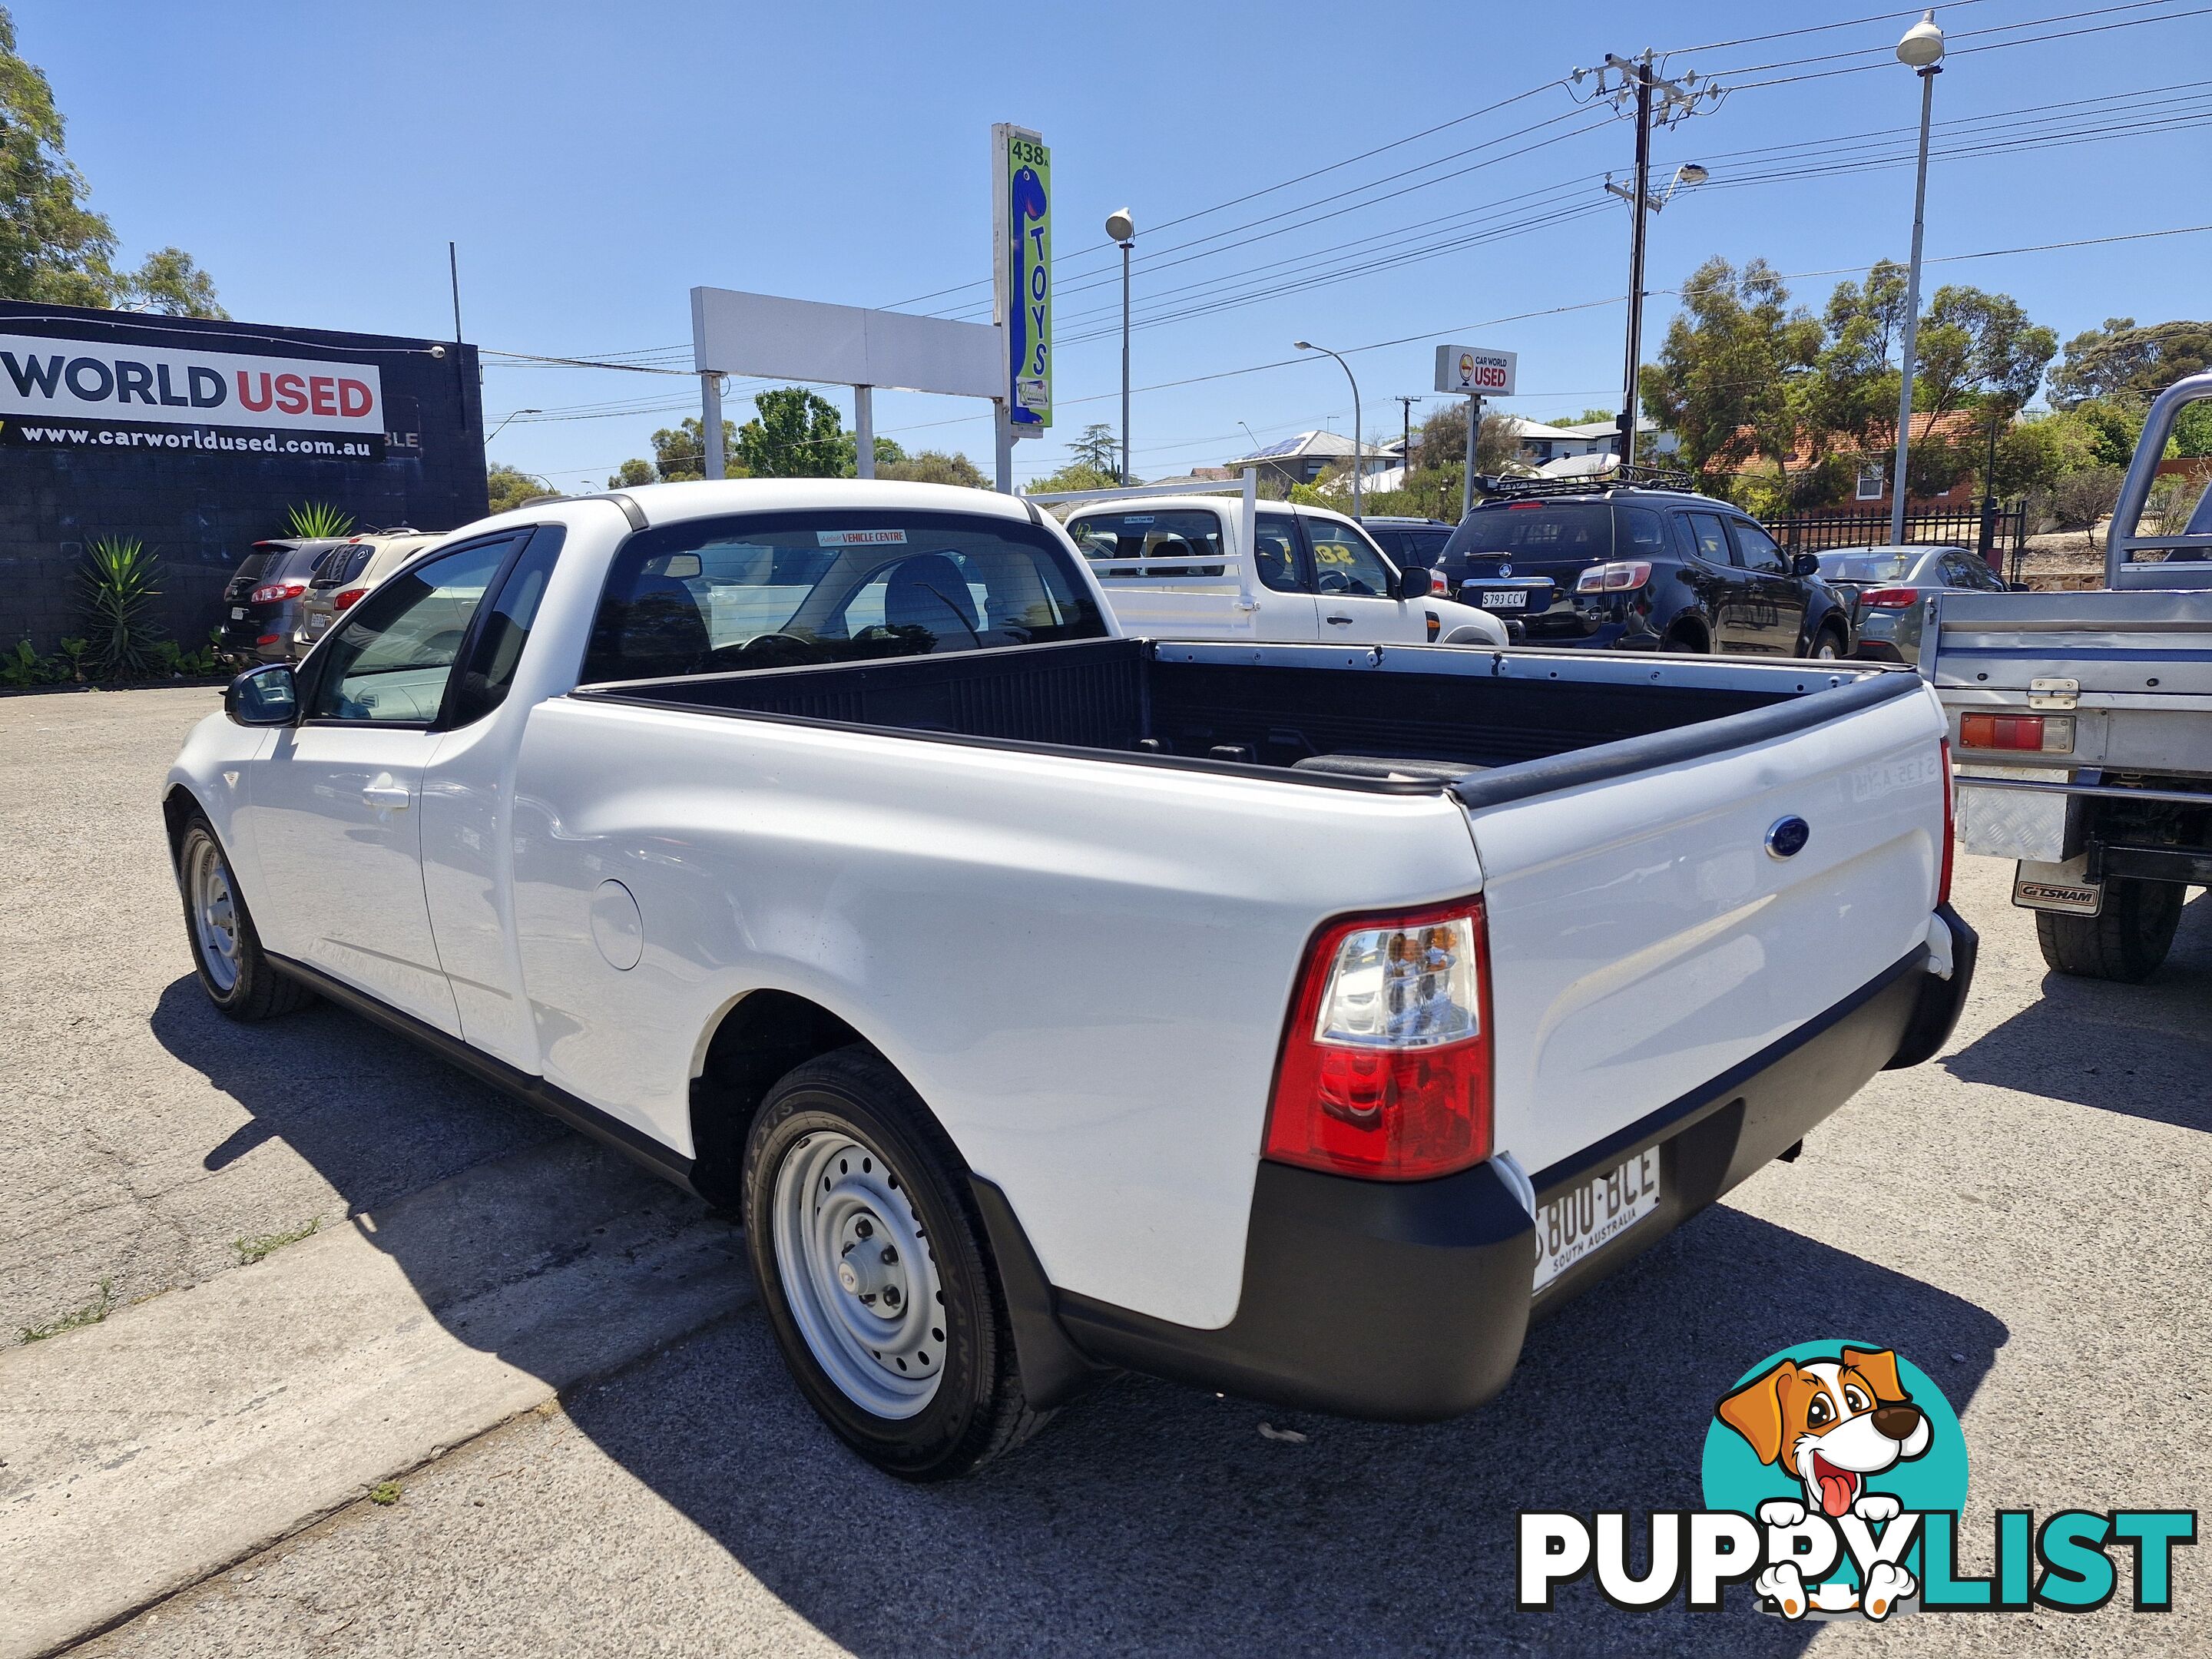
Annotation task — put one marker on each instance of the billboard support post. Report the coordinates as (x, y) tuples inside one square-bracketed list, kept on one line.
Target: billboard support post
[(864, 433), (1002, 431), (715, 464), (1467, 483), (1476, 372)]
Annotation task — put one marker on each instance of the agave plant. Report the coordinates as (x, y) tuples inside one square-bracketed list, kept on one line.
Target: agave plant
[(319, 521), (117, 599)]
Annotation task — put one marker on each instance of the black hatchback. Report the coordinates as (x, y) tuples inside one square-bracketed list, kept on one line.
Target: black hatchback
[(1639, 567)]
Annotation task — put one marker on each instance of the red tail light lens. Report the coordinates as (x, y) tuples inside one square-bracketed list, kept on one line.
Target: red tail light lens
[(1617, 577), (1950, 810), (1386, 1066), (2052, 735), (276, 592), (344, 598), (1889, 599)]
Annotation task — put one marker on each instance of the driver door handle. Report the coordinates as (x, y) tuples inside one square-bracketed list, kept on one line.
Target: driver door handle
[(1341, 621), (387, 797)]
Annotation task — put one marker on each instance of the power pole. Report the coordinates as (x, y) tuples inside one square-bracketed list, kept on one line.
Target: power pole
[(1406, 438), (1658, 100)]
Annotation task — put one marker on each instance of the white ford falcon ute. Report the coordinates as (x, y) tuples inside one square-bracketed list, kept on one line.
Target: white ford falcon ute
[(1293, 1018)]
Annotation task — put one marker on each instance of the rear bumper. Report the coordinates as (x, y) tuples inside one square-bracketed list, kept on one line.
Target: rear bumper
[(1409, 1302)]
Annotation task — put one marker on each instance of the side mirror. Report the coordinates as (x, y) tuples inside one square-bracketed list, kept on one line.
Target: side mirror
[(1418, 584), (1805, 564), (268, 695)]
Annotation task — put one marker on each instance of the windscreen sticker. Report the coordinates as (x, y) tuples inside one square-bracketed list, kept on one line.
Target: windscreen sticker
[(1137, 518), (856, 537)]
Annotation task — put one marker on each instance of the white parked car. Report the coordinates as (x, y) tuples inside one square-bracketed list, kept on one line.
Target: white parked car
[(1288, 1020), (1173, 567)]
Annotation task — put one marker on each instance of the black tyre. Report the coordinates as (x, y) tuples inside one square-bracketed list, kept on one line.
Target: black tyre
[(876, 1272), (234, 970), (2125, 941), (1827, 645), (1687, 640)]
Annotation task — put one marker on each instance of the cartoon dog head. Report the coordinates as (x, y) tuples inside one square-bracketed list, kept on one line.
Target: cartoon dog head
[(1831, 1422)]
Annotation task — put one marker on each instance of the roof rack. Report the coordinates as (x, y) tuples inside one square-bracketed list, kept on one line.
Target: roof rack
[(1634, 475)]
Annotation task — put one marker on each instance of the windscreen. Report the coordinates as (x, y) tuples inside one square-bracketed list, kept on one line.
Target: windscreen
[(1565, 530), (794, 589), (251, 567), (1867, 567)]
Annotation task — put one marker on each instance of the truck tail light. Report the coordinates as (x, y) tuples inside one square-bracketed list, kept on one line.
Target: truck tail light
[(1950, 822), (1889, 599), (1617, 577), (344, 598), (2030, 731), (276, 593), (1386, 1067)]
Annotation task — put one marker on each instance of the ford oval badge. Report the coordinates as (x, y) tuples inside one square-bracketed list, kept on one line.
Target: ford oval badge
[(1788, 838)]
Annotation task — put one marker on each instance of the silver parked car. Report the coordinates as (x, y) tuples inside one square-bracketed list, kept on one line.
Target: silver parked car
[(261, 601), (353, 566), (1882, 587)]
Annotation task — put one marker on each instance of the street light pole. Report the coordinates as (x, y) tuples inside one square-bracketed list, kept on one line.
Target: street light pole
[(1123, 229), (1357, 446), (1922, 51), (501, 427)]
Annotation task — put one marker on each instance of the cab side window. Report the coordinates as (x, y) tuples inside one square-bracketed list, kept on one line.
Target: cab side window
[(1277, 550), (1708, 541), (1643, 532), (392, 659), (1758, 550), (1344, 562)]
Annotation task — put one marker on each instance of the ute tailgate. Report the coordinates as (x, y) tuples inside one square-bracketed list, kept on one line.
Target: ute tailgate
[(1643, 937)]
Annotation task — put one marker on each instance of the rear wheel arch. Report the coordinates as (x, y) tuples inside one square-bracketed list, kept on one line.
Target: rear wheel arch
[(1688, 632), (753, 1044)]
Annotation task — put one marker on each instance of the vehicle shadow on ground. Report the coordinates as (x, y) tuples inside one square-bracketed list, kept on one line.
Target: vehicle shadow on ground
[(1157, 1518), (2144, 1050), (1150, 1516), (375, 1116)]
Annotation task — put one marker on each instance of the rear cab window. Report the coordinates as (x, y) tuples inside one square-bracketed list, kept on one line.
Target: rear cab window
[(1170, 534), (794, 589)]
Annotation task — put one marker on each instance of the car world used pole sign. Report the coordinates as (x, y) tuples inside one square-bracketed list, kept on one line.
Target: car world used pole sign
[(1022, 286), (1476, 371), (62, 393)]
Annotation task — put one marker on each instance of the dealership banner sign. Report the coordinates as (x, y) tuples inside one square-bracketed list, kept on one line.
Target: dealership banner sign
[(1023, 288), (75, 393)]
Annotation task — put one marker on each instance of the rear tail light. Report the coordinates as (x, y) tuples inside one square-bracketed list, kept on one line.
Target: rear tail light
[(2035, 732), (1889, 599), (1950, 818), (276, 593), (1386, 1066), (344, 598), (269, 639), (1617, 577)]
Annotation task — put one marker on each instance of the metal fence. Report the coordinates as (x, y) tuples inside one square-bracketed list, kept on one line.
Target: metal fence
[(2005, 530)]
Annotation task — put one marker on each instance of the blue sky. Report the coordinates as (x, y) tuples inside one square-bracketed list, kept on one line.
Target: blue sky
[(595, 161)]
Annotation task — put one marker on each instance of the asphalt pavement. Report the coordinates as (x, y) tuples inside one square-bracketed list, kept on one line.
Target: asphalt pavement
[(2026, 1217)]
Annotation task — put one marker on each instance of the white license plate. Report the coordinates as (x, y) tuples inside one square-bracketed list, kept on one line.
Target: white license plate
[(316, 624), (1591, 1216), (1513, 599), (238, 613)]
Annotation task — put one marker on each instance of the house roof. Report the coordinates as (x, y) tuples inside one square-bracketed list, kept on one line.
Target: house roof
[(1304, 446), (1951, 423)]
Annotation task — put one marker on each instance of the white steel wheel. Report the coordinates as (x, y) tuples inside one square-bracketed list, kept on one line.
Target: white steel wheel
[(214, 909), (859, 1274)]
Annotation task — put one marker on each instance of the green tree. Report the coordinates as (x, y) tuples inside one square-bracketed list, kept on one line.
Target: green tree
[(796, 434), (510, 488), (633, 473), (1097, 450), (1723, 384), (888, 454), (1077, 475), (934, 466), (53, 248), (1977, 346), (2121, 360)]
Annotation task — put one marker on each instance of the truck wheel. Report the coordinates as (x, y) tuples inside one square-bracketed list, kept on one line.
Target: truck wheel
[(2126, 941), (234, 970), (1687, 640), (872, 1263)]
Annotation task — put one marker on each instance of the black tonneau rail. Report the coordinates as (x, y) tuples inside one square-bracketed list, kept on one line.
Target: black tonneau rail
[(1516, 723)]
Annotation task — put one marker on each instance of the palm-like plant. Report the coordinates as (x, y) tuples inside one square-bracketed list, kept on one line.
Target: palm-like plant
[(118, 600), (319, 521)]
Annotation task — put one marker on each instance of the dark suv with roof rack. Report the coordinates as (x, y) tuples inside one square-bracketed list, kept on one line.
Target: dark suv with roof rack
[(1647, 564)]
